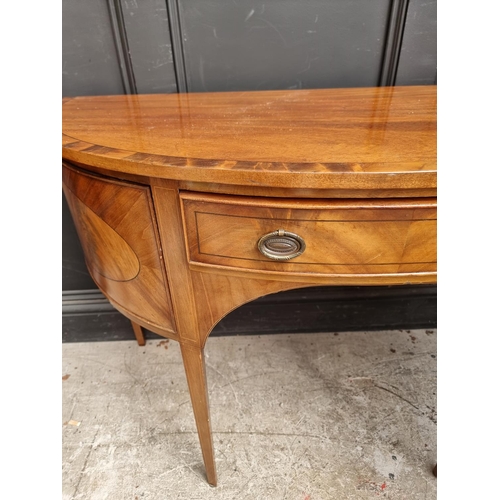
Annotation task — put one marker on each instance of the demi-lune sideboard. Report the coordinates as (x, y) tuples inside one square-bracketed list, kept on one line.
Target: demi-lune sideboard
[(190, 205)]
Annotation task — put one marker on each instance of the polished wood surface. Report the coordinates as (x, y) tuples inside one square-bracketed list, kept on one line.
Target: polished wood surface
[(325, 139), (170, 195), (217, 294), (194, 365), (342, 237), (115, 224)]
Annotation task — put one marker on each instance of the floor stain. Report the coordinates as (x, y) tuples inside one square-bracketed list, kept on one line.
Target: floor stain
[(66, 377), (362, 381), (371, 486), (163, 343)]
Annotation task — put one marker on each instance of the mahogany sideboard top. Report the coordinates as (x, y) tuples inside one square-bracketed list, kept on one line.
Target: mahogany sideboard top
[(372, 139), (189, 205)]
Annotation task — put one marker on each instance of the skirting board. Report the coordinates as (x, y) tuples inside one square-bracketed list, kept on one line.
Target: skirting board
[(87, 316)]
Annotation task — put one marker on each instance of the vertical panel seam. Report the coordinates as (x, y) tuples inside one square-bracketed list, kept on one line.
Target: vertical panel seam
[(175, 25), (393, 42), (122, 47)]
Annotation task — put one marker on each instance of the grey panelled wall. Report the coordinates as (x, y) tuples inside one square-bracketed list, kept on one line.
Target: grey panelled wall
[(148, 35), (116, 47), (282, 44), (152, 46), (90, 65), (417, 64)]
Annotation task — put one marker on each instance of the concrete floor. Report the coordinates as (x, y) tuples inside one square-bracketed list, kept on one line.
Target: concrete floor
[(305, 417)]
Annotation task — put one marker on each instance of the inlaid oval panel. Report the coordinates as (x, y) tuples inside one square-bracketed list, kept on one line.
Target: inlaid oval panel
[(97, 239)]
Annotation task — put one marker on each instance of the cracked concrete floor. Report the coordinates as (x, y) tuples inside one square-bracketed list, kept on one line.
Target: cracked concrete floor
[(306, 417)]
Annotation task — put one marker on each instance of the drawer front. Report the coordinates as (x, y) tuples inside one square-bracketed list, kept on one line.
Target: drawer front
[(341, 237)]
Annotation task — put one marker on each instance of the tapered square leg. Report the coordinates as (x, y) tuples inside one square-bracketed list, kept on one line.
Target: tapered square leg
[(194, 364), (138, 333)]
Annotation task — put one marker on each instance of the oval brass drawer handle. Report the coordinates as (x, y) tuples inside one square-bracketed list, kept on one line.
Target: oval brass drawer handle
[(281, 245)]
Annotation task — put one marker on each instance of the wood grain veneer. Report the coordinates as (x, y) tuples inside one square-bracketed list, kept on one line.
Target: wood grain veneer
[(323, 139), (171, 193), (342, 237), (116, 226)]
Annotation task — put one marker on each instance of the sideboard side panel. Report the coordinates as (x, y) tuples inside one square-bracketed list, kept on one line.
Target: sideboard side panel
[(116, 226)]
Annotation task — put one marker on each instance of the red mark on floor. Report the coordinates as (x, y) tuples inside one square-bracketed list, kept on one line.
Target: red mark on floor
[(65, 377), (308, 497), (383, 486)]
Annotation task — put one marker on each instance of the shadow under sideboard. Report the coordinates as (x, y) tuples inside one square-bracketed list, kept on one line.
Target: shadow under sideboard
[(89, 317)]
